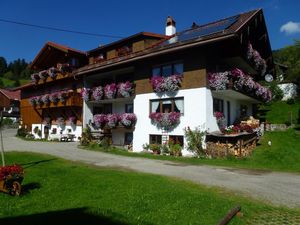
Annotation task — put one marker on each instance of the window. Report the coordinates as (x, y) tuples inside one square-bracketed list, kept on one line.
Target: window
[(155, 139), (128, 138), (176, 139), (218, 105), (129, 108), (167, 105), (167, 70), (103, 109)]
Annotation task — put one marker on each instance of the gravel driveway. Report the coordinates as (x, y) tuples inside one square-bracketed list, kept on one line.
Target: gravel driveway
[(273, 187)]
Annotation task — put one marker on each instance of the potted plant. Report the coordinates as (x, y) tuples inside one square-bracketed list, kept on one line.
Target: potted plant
[(110, 90), (112, 120), (128, 119), (165, 120), (85, 94), (125, 89), (155, 148), (175, 149), (52, 72), (100, 120), (45, 99), (54, 98), (43, 75), (33, 101), (35, 77), (11, 177), (97, 93), (62, 96)]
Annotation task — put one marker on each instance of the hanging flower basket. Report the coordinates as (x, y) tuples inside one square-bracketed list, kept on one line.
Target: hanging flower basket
[(63, 96), (97, 93), (45, 98), (43, 75), (128, 119), (255, 58), (52, 72), (72, 120), (39, 101), (110, 90), (125, 89), (35, 77), (60, 121), (85, 94), (54, 98), (33, 101)]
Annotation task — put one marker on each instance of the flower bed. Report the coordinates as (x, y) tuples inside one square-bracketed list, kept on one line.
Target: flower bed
[(12, 171), (241, 82), (165, 120), (166, 84)]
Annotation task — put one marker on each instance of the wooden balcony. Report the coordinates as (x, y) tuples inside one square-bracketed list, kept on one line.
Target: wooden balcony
[(74, 99)]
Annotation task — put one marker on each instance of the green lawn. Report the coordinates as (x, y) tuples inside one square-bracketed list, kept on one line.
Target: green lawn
[(10, 83), (61, 192), (281, 112), (283, 155)]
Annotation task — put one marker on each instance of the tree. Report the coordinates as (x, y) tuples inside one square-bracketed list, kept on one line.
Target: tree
[(3, 66)]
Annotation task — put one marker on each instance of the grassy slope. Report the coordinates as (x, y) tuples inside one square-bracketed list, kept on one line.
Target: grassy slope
[(10, 83), (61, 192), (283, 155), (280, 112)]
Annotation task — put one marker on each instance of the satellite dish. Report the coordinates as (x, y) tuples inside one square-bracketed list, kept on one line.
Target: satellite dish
[(269, 78)]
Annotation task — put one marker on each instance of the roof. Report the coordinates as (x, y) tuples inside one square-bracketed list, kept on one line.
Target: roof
[(167, 45), (12, 95), (125, 40), (48, 47)]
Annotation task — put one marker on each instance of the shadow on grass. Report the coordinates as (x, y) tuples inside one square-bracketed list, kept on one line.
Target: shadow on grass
[(30, 186), (31, 164), (78, 216)]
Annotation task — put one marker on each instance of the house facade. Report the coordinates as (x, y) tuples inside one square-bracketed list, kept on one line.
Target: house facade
[(148, 88), (180, 80), (10, 103), (51, 105)]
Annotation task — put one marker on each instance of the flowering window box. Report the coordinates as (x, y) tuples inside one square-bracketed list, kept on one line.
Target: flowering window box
[(54, 98), (165, 120), (97, 93), (85, 94), (125, 89), (100, 120), (62, 96), (128, 119), (166, 84), (43, 75), (110, 91)]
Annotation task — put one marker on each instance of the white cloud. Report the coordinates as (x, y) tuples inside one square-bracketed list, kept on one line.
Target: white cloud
[(290, 28)]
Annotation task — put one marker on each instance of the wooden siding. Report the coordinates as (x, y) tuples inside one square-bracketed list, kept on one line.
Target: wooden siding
[(111, 54), (29, 115), (4, 101), (138, 46)]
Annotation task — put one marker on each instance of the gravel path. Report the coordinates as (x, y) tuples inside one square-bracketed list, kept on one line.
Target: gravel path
[(273, 187)]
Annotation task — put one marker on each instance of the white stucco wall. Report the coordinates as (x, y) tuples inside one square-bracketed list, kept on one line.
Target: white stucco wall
[(289, 90), (195, 114)]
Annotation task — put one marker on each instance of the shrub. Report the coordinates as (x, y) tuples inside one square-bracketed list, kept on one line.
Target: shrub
[(175, 149), (290, 101), (195, 140), (22, 132), (86, 136)]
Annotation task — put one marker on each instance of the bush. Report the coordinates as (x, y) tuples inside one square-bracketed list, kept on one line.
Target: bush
[(22, 132), (86, 136), (175, 149), (290, 101), (195, 140), (105, 143)]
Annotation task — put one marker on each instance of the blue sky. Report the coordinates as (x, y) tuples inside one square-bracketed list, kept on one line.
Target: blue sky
[(124, 18)]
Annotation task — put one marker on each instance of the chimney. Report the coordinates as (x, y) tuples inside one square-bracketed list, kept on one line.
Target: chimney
[(170, 26)]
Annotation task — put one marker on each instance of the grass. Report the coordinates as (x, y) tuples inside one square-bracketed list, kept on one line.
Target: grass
[(60, 192), (11, 83), (281, 112), (283, 155)]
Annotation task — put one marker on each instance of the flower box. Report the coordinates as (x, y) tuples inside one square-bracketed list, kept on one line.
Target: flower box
[(165, 120), (97, 93), (125, 89), (166, 84), (128, 119), (110, 90)]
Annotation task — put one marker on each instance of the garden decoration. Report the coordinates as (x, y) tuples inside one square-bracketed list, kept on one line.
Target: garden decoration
[(11, 178)]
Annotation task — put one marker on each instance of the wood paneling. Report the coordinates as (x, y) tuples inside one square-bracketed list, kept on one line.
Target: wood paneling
[(111, 54), (138, 46), (4, 101)]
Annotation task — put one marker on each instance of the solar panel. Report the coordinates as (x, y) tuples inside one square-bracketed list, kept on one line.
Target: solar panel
[(202, 31)]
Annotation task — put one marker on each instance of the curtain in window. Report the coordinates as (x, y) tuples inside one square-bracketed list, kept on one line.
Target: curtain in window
[(154, 106), (179, 104)]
